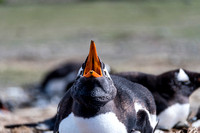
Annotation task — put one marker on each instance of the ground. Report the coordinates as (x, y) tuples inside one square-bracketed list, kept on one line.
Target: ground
[(24, 115)]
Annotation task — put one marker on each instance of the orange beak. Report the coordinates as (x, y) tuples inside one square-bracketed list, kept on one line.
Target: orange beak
[(93, 64)]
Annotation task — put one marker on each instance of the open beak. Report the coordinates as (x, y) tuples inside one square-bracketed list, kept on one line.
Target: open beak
[(93, 64)]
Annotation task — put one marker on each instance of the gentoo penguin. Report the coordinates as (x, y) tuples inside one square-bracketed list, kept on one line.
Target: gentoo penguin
[(100, 103), (171, 91)]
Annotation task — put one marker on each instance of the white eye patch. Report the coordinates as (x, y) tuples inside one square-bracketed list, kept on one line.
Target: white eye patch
[(108, 67), (106, 72), (182, 76), (80, 72)]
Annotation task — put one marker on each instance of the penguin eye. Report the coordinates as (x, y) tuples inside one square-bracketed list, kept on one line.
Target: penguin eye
[(186, 82), (105, 72)]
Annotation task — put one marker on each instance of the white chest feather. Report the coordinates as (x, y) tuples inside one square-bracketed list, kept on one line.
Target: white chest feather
[(172, 115), (104, 123)]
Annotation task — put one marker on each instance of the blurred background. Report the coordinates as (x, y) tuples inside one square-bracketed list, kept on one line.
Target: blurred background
[(151, 36), (141, 35)]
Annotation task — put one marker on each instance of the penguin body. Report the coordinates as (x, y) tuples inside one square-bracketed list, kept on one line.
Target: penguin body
[(171, 91), (98, 102), (132, 109), (128, 101)]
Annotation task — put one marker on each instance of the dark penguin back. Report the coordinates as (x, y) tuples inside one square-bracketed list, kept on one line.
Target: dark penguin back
[(135, 92)]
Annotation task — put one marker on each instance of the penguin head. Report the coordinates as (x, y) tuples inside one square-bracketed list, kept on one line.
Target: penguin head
[(187, 81), (93, 86), (181, 81)]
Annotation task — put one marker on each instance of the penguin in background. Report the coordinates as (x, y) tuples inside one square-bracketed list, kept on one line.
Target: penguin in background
[(57, 79), (100, 103), (171, 91)]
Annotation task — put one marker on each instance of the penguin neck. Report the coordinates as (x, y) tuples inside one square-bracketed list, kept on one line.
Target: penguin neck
[(81, 110)]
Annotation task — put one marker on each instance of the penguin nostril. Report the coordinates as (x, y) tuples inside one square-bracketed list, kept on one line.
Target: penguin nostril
[(91, 71)]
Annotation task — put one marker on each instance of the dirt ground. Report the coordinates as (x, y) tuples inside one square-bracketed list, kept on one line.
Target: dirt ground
[(24, 116)]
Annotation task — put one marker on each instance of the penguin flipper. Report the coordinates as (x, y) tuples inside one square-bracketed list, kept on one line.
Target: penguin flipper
[(64, 109), (143, 122)]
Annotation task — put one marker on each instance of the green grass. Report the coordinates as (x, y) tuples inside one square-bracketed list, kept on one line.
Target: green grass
[(36, 24), (12, 76)]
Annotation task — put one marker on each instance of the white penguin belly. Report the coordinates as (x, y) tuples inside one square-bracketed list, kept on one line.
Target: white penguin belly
[(103, 123), (172, 115)]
